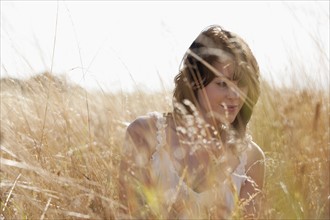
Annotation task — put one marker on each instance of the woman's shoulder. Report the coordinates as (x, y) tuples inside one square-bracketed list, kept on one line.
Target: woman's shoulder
[(254, 154), (256, 150), (141, 134), (144, 128), (144, 123)]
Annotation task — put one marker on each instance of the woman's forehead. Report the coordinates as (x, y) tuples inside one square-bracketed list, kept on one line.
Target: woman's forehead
[(224, 63), (226, 68)]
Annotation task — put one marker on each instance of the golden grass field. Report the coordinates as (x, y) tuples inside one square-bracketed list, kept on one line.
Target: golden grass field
[(60, 148)]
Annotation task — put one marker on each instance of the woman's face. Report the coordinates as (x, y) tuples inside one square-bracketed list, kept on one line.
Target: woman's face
[(218, 99)]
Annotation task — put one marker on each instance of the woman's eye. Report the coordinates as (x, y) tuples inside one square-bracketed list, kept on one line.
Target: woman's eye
[(222, 84)]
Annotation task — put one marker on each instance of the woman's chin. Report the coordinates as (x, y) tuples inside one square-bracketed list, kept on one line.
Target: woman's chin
[(231, 119), (221, 117)]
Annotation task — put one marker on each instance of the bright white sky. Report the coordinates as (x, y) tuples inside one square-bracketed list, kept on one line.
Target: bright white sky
[(118, 45)]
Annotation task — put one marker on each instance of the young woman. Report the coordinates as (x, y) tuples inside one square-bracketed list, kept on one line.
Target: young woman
[(198, 161)]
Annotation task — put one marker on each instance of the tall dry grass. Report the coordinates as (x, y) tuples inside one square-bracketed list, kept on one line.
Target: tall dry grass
[(60, 148)]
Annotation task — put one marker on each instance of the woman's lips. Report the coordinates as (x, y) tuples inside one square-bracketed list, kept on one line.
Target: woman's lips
[(230, 108)]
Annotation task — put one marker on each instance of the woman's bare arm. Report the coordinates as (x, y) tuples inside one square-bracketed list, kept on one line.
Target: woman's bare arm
[(251, 191)]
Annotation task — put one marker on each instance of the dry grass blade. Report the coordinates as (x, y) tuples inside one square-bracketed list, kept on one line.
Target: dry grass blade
[(10, 193), (46, 208)]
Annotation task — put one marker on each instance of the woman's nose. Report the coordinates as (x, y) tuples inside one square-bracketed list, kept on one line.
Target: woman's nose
[(233, 93)]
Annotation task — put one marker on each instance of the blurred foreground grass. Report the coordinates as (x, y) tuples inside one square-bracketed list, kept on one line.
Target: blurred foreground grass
[(60, 148)]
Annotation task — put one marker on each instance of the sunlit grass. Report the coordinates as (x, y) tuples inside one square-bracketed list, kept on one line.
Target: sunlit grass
[(64, 163), (61, 147)]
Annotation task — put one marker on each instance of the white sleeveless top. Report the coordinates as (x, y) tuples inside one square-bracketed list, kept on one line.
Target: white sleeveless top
[(173, 186)]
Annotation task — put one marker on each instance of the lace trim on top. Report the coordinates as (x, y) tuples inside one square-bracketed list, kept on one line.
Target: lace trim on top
[(161, 125), (166, 175)]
